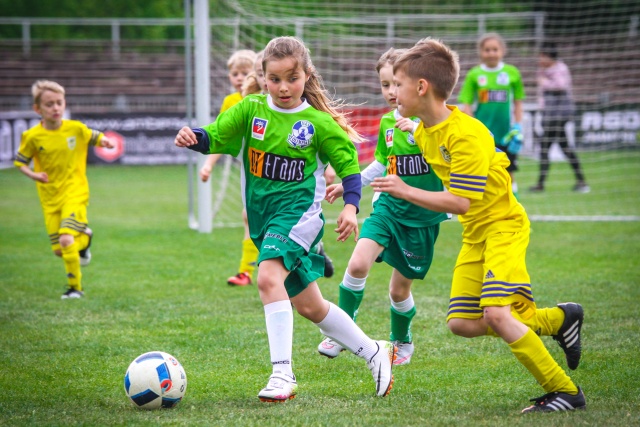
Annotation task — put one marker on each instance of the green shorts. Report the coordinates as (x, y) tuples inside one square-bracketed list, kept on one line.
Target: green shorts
[(407, 249), (304, 267)]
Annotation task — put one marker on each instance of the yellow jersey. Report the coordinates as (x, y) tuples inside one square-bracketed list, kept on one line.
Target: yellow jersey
[(462, 152), (62, 154), (230, 100)]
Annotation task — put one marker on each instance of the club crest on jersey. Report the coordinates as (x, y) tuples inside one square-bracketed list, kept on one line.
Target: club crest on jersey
[(71, 142), (503, 79), (301, 134), (388, 137), (258, 128), (445, 154), (482, 80)]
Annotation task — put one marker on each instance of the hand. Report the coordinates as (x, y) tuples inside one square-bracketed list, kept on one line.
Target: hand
[(40, 177), (333, 192), (347, 223), (106, 142), (391, 184), (405, 124), (205, 173), (185, 137), (513, 140)]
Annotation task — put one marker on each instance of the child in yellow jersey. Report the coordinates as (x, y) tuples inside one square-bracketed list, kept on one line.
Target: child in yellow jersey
[(58, 149), (491, 292)]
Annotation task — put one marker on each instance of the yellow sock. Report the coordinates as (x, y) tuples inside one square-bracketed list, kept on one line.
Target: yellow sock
[(532, 353), (82, 240), (545, 322), (71, 259), (249, 257)]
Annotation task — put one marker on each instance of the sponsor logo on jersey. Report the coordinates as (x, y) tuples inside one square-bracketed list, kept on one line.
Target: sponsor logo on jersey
[(280, 237), (408, 165), (411, 255), (445, 154), (71, 142), (301, 134), (388, 137), (482, 80), (503, 79), (276, 167), (486, 95), (258, 128)]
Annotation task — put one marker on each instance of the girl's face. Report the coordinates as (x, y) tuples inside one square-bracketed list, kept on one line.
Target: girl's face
[(387, 85), (237, 76), (545, 61), (51, 108), (285, 82), (491, 53), (260, 76)]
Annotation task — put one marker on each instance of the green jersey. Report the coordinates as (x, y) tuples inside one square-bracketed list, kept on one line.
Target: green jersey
[(493, 90), (397, 151), (284, 154)]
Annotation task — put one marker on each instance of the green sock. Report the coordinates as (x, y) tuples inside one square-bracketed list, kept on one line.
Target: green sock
[(401, 325), (349, 300)]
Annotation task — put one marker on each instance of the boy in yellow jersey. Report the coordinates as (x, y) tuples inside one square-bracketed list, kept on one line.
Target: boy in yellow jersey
[(241, 63), (58, 149), (490, 292)]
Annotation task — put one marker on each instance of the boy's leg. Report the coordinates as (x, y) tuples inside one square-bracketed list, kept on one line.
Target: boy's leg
[(402, 310), (72, 226), (71, 259)]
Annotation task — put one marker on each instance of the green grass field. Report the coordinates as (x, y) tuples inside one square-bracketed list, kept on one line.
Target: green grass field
[(154, 284)]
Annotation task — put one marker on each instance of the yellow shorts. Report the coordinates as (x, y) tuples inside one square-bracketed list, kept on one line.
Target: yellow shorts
[(71, 219), (492, 273)]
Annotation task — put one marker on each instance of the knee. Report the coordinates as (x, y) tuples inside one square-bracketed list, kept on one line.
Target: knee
[(496, 316), (66, 240), (357, 268), (459, 327), (57, 252)]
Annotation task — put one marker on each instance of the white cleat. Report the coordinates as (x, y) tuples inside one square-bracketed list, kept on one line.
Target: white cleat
[(329, 348), (381, 365), (280, 388), (405, 351)]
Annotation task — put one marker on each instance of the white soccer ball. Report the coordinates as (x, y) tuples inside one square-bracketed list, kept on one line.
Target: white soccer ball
[(155, 380)]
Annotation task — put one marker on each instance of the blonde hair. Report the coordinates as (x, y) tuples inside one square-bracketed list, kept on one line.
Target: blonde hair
[(250, 85), (41, 85), (434, 62), (314, 90), (243, 58), (389, 57), (492, 36)]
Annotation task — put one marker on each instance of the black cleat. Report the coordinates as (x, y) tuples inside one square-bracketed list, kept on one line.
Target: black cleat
[(569, 334), (328, 264), (556, 401)]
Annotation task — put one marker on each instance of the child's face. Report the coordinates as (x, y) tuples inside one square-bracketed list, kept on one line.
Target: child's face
[(51, 106), (237, 76), (491, 53), (406, 92), (285, 82), (260, 76), (545, 61), (387, 85)]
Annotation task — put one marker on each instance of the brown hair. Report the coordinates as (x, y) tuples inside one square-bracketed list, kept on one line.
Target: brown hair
[(492, 36), (250, 85), (41, 85), (314, 90), (389, 57), (434, 62)]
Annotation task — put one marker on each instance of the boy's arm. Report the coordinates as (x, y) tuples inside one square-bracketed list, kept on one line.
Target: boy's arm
[(36, 176), (437, 201)]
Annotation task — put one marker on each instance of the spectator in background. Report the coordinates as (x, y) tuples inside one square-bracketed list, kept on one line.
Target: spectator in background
[(555, 99)]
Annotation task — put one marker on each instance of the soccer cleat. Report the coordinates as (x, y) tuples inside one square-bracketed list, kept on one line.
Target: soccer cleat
[(556, 401), (328, 264), (581, 187), (381, 365), (280, 388), (329, 348), (405, 351), (240, 279), (72, 293), (569, 333), (85, 254), (536, 188)]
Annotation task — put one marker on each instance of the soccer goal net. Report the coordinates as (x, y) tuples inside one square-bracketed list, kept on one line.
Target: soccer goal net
[(597, 40)]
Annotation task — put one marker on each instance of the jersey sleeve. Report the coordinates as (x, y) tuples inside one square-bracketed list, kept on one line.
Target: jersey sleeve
[(381, 152), (467, 93), (470, 162), (90, 136), (339, 149), (518, 86), (226, 132), (25, 151)]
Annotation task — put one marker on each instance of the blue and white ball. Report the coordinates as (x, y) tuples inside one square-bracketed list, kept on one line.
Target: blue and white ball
[(155, 380)]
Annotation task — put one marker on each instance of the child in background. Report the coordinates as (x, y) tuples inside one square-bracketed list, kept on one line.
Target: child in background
[(241, 64), (285, 140), (397, 232), (491, 292), (59, 150), (497, 91)]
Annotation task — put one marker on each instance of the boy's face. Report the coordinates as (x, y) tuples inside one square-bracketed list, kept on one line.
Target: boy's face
[(387, 85), (51, 106), (491, 53), (237, 75), (285, 82), (406, 92)]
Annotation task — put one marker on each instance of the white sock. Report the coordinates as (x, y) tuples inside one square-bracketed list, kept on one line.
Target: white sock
[(353, 283), (403, 306), (338, 326), (279, 318)]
